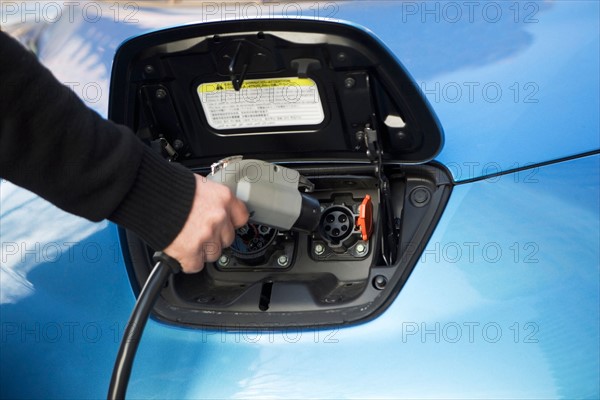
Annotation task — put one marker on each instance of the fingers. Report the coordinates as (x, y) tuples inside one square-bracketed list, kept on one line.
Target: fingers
[(239, 213), (210, 226), (211, 251), (227, 235), (193, 264)]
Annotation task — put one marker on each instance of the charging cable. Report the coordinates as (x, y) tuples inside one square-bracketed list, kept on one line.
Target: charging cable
[(165, 266)]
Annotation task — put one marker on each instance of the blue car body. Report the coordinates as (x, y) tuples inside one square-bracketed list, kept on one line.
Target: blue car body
[(503, 303)]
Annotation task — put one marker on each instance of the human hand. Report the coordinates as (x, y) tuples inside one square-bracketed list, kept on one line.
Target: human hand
[(210, 226)]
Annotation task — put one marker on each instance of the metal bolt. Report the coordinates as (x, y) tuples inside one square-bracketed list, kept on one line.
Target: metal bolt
[(178, 144), (282, 260), (149, 69), (341, 57), (161, 93), (349, 82), (361, 248), (319, 249), (223, 261), (379, 282)]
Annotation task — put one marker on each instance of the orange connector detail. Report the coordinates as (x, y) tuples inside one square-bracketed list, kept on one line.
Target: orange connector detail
[(365, 218)]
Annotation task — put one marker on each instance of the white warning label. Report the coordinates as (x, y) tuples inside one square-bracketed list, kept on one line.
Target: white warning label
[(261, 103)]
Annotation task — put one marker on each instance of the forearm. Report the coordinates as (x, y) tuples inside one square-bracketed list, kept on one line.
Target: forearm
[(53, 145)]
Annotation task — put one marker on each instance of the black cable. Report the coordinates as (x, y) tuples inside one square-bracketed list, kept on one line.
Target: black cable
[(164, 267)]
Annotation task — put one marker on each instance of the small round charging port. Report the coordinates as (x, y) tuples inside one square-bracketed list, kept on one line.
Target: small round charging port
[(337, 223)]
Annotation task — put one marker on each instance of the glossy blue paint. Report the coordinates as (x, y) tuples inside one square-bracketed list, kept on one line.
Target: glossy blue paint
[(64, 292), (503, 303), (512, 266)]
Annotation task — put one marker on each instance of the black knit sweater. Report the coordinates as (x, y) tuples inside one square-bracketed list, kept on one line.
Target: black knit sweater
[(55, 146)]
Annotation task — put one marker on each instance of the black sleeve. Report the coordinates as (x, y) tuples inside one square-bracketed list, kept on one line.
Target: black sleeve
[(55, 146)]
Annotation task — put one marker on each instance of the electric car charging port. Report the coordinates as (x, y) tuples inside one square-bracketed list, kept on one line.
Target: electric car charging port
[(258, 246), (338, 236), (360, 136), (337, 224), (340, 272)]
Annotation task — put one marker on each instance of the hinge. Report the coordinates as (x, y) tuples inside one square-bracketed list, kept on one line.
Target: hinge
[(163, 146), (368, 137)]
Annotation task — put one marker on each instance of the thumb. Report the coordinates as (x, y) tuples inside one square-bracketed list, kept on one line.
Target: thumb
[(238, 212)]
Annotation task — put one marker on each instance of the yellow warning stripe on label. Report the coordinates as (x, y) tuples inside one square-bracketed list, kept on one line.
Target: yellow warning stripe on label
[(255, 84), (262, 103)]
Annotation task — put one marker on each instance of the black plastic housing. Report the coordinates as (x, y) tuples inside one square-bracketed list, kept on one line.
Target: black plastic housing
[(311, 291), (353, 151), (360, 83)]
